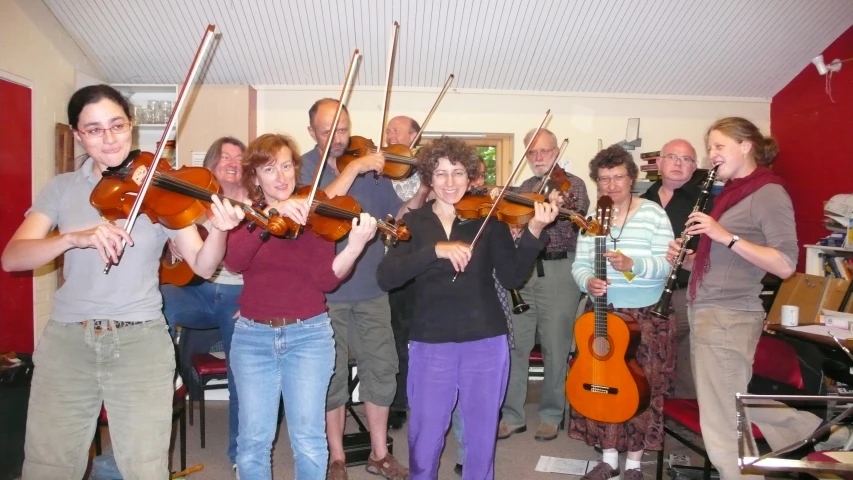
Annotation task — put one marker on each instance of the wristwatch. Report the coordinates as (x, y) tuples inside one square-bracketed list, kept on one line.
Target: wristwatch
[(735, 238)]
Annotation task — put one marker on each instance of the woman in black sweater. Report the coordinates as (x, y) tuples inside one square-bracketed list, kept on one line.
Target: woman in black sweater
[(458, 344)]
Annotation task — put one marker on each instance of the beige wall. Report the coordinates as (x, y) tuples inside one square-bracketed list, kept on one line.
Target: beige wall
[(584, 118), (215, 111), (36, 49)]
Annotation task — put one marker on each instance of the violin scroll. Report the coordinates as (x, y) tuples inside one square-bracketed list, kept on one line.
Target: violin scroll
[(392, 230)]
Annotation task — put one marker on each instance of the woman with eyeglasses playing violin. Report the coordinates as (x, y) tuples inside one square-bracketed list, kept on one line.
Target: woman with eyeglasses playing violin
[(458, 338), (107, 340), (282, 343)]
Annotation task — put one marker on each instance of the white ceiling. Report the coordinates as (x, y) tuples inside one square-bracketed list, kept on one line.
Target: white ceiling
[(742, 48)]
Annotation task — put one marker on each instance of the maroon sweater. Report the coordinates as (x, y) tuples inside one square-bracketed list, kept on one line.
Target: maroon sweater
[(281, 278)]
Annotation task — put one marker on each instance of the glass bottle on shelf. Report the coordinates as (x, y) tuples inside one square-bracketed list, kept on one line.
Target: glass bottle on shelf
[(169, 153)]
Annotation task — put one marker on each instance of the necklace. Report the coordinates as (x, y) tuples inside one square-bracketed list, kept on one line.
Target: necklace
[(622, 227)]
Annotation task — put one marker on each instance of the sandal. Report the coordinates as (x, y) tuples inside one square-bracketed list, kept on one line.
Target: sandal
[(388, 467), (337, 471)]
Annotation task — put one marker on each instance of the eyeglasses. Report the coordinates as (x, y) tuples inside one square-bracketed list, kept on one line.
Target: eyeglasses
[(685, 159), (99, 132), (442, 176), (616, 178), (540, 153)]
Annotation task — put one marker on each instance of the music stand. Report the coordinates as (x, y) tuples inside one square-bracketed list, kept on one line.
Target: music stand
[(771, 462)]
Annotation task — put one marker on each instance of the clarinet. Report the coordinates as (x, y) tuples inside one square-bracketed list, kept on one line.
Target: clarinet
[(661, 310)]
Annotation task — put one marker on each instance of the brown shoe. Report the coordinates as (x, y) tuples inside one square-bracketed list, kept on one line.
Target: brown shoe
[(602, 471), (388, 467), (546, 432), (337, 471), (506, 430), (633, 474)]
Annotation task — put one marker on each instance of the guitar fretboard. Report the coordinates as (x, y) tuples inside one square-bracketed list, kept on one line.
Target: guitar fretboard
[(600, 303)]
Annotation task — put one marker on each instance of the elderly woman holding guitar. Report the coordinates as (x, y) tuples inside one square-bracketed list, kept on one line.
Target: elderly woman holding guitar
[(211, 303), (626, 356)]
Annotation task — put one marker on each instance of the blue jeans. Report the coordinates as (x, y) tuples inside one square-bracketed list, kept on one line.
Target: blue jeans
[(208, 305), (459, 433), (295, 362)]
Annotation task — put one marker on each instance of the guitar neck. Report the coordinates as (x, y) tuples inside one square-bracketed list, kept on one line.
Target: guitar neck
[(600, 303)]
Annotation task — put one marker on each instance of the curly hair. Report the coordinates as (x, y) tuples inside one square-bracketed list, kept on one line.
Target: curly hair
[(764, 149), (450, 148), (262, 151), (611, 157)]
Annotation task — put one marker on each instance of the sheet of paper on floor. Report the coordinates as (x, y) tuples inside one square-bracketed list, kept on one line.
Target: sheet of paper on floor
[(569, 466)]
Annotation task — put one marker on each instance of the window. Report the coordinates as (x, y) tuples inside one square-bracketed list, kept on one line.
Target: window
[(494, 148)]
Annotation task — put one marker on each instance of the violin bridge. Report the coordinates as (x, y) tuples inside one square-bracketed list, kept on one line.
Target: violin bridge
[(139, 174)]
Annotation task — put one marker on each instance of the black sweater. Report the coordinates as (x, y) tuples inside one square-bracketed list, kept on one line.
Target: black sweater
[(467, 309)]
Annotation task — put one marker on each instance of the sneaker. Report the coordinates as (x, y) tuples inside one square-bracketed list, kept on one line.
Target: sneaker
[(546, 432), (602, 471), (506, 430), (837, 438), (236, 473)]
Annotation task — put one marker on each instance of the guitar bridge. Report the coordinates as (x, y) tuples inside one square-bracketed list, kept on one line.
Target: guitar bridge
[(600, 389)]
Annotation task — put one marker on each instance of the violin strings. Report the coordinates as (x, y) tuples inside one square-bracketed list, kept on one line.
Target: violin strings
[(331, 210), (395, 157), (199, 193)]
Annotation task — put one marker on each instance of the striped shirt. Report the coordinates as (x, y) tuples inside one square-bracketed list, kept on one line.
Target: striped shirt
[(644, 238)]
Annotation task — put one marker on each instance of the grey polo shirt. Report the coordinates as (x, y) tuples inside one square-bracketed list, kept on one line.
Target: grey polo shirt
[(378, 200), (130, 291)]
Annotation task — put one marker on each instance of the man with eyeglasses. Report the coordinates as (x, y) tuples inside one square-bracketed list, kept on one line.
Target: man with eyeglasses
[(677, 192), (402, 130), (553, 297)]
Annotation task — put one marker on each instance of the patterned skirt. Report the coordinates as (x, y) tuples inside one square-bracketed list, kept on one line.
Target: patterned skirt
[(656, 356)]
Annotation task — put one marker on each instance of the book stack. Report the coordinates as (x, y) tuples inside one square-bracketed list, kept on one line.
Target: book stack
[(650, 165)]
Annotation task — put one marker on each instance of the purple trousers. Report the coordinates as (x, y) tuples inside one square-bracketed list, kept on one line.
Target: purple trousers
[(475, 372)]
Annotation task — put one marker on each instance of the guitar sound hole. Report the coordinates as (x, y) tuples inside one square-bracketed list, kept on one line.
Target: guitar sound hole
[(601, 347)]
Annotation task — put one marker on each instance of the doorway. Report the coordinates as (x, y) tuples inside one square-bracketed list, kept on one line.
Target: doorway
[(17, 325)]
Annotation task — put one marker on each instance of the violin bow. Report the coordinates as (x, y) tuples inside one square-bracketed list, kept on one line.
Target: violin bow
[(388, 80), (429, 116), (550, 170), (506, 185), (179, 103), (348, 81)]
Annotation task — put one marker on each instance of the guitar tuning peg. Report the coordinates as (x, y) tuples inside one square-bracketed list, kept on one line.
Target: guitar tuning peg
[(273, 212), (265, 235), (251, 226)]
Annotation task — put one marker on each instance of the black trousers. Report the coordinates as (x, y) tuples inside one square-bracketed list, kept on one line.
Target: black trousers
[(402, 301)]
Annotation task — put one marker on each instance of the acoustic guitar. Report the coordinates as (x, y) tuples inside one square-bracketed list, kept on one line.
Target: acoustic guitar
[(175, 271), (605, 383)]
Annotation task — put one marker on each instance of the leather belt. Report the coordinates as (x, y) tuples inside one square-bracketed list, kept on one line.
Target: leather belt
[(553, 255), (100, 325), (275, 322)]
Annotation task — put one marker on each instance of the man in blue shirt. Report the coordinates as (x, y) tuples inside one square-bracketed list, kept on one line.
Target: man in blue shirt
[(358, 308)]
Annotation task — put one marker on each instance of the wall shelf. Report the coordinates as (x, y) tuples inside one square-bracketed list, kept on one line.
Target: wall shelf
[(814, 264)]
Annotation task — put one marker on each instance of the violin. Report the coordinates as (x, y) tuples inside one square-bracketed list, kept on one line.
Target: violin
[(515, 209), (557, 180), (177, 199), (399, 159), (332, 218)]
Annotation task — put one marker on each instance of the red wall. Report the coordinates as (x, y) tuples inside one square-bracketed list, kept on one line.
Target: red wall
[(815, 139)]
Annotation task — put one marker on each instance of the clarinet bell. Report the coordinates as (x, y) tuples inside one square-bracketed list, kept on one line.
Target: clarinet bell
[(518, 305)]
